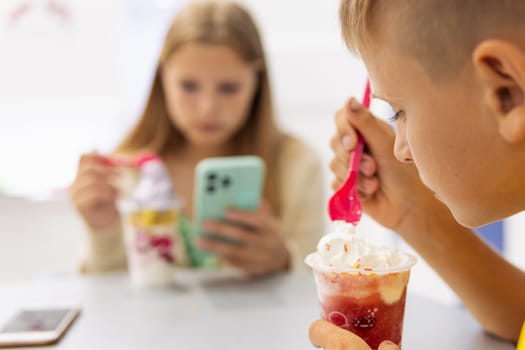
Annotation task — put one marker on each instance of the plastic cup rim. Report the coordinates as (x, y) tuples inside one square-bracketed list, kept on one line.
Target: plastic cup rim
[(405, 266)]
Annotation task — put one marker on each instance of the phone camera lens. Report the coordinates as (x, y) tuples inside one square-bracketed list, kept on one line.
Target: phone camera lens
[(210, 189), (226, 182), (212, 176)]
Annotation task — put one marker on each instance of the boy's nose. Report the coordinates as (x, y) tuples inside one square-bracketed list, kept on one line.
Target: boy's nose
[(401, 148)]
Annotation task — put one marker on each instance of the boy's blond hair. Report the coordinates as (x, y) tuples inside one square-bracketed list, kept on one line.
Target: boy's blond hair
[(441, 34)]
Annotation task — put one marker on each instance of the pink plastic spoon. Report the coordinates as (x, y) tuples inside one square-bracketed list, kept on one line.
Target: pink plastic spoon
[(130, 162), (345, 203)]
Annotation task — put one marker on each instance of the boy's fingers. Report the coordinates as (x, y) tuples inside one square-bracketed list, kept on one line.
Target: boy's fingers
[(378, 135), (324, 334), (368, 185), (319, 333), (388, 345), (339, 169), (336, 183), (368, 165), (339, 150), (345, 132)]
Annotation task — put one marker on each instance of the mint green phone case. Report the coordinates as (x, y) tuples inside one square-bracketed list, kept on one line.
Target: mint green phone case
[(222, 183)]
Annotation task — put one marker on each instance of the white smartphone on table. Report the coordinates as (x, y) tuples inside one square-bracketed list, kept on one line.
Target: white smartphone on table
[(35, 327)]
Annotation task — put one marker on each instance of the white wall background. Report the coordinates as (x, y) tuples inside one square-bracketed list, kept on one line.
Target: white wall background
[(70, 86), (59, 88)]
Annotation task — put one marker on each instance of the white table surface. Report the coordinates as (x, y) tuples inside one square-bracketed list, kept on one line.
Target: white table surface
[(272, 313)]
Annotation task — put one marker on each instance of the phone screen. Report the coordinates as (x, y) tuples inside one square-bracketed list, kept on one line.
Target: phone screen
[(35, 321)]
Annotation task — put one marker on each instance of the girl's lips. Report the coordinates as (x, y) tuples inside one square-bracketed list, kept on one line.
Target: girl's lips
[(208, 128)]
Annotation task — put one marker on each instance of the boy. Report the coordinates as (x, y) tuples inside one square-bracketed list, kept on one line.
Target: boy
[(454, 73)]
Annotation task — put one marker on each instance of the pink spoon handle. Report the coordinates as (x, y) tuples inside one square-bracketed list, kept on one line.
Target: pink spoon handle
[(130, 162), (357, 152), (111, 161), (355, 156), (345, 203)]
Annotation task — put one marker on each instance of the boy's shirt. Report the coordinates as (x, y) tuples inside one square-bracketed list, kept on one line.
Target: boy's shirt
[(521, 341)]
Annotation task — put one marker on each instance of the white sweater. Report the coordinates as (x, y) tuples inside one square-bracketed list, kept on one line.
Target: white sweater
[(302, 213)]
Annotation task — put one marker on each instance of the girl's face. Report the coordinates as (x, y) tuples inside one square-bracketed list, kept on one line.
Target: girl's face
[(209, 91)]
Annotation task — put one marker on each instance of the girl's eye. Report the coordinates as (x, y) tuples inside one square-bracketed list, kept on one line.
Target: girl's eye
[(228, 88), (396, 116), (189, 86)]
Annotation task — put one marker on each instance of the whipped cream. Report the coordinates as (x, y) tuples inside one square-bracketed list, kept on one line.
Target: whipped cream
[(153, 189), (345, 249)]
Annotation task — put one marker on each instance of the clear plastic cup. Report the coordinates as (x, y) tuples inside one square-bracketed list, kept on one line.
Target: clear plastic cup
[(367, 302), (151, 240)]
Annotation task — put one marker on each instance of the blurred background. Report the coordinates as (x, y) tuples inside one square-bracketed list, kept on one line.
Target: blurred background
[(73, 78)]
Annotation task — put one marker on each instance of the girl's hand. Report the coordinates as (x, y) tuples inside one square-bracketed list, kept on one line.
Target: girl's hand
[(93, 194), (260, 249), (324, 334), (389, 189)]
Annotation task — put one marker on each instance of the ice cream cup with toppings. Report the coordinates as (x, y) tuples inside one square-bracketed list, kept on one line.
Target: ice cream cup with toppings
[(362, 288), (151, 217)]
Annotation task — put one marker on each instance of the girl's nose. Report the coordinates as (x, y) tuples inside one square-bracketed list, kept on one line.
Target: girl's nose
[(208, 104)]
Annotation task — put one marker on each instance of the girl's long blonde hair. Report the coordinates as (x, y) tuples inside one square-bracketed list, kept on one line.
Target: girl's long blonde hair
[(218, 23)]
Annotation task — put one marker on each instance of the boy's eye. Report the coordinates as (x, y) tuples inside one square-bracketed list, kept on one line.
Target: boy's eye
[(228, 88), (396, 116), (189, 86)]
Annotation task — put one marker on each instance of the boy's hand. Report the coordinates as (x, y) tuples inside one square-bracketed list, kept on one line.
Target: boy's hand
[(260, 249), (389, 189), (325, 335)]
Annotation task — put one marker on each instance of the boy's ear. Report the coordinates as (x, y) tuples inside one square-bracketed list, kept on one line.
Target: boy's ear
[(501, 67)]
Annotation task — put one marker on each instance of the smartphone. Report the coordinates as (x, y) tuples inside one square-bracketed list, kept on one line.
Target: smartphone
[(37, 326), (222, 183)]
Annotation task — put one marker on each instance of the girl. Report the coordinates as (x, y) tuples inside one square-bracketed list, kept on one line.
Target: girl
[(211, 97)]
